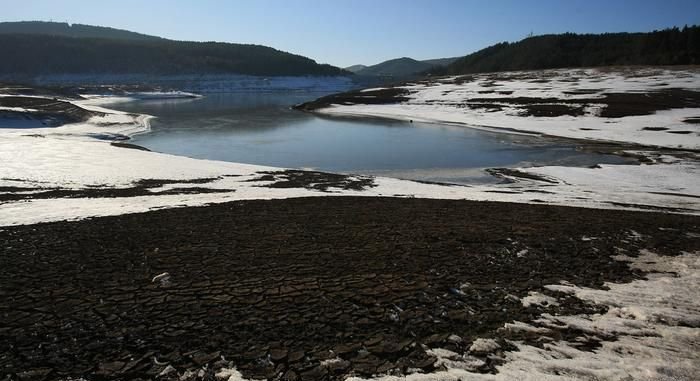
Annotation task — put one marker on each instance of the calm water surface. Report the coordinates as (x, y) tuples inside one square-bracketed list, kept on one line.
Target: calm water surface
[(260, 128)]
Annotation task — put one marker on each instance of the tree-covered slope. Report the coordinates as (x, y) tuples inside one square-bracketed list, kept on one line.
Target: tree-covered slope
[(70, 30), (667, 47), (355, 68), (39, 53), (396, 68)]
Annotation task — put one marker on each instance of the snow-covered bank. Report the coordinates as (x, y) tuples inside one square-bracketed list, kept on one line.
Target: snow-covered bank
[(655, 323), (102, 122), (565, 103), (32, 164)]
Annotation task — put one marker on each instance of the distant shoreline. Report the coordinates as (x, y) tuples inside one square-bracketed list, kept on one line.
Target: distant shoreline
[(645, 106)]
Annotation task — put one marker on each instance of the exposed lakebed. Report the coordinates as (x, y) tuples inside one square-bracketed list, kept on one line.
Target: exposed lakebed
[(260, 128)]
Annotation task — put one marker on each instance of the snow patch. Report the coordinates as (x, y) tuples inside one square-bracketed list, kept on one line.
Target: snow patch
[(484, 346), (655, 322), (536, 299), (230, 374)]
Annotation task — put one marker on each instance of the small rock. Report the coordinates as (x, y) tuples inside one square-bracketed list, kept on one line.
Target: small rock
[(34, 374), (315, 373), (336, 365), (374, 340), (110, 368), (278, 354), (512, 298), (426, 362), (291, 376), (201, 358), (295, 356), (168, 370), (163, 278), (484, 346)]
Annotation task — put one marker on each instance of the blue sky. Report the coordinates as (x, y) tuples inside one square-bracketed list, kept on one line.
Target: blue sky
[(346, 32)]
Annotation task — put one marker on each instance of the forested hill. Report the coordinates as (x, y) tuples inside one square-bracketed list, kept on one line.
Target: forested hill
[(666, 47), (70, 30), (397, 67), (49, 53)]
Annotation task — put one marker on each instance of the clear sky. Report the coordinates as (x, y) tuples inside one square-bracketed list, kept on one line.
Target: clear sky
[(347, 32)]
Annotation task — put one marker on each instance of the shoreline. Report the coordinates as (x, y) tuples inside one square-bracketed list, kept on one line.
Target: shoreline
[(59, 160), (585, 104), (585, 142)]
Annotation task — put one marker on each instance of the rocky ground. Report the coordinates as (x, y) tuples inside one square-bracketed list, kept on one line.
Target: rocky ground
[(307, 288)]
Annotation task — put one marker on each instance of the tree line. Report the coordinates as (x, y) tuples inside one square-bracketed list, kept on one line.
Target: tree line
[(29, 54), (663, 47)]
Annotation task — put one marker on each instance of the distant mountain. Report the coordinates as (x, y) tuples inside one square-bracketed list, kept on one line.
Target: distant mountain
[(355, 68), (40, 48), (71, 30), (442, 61), (399, 67), (666, 47)]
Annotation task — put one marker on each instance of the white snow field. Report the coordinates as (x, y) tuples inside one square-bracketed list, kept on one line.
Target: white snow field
[(443, 101)]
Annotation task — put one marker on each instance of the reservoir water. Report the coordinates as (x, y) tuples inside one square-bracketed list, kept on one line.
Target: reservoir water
[(260, 128)]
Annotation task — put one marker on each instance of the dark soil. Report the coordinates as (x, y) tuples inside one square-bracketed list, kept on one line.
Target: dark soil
[(275, 286), (130, 146), (504, 173), (631, 104), (143, 187), (551, 110), (488, 107), (321, 181), (583, 91), (617, 105), (383, 96), (51, 111)]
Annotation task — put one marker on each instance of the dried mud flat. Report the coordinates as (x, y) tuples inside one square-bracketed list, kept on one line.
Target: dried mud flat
[(278, 288)]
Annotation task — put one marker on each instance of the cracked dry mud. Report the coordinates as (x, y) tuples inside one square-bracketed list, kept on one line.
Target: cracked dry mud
[(277, 288)]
